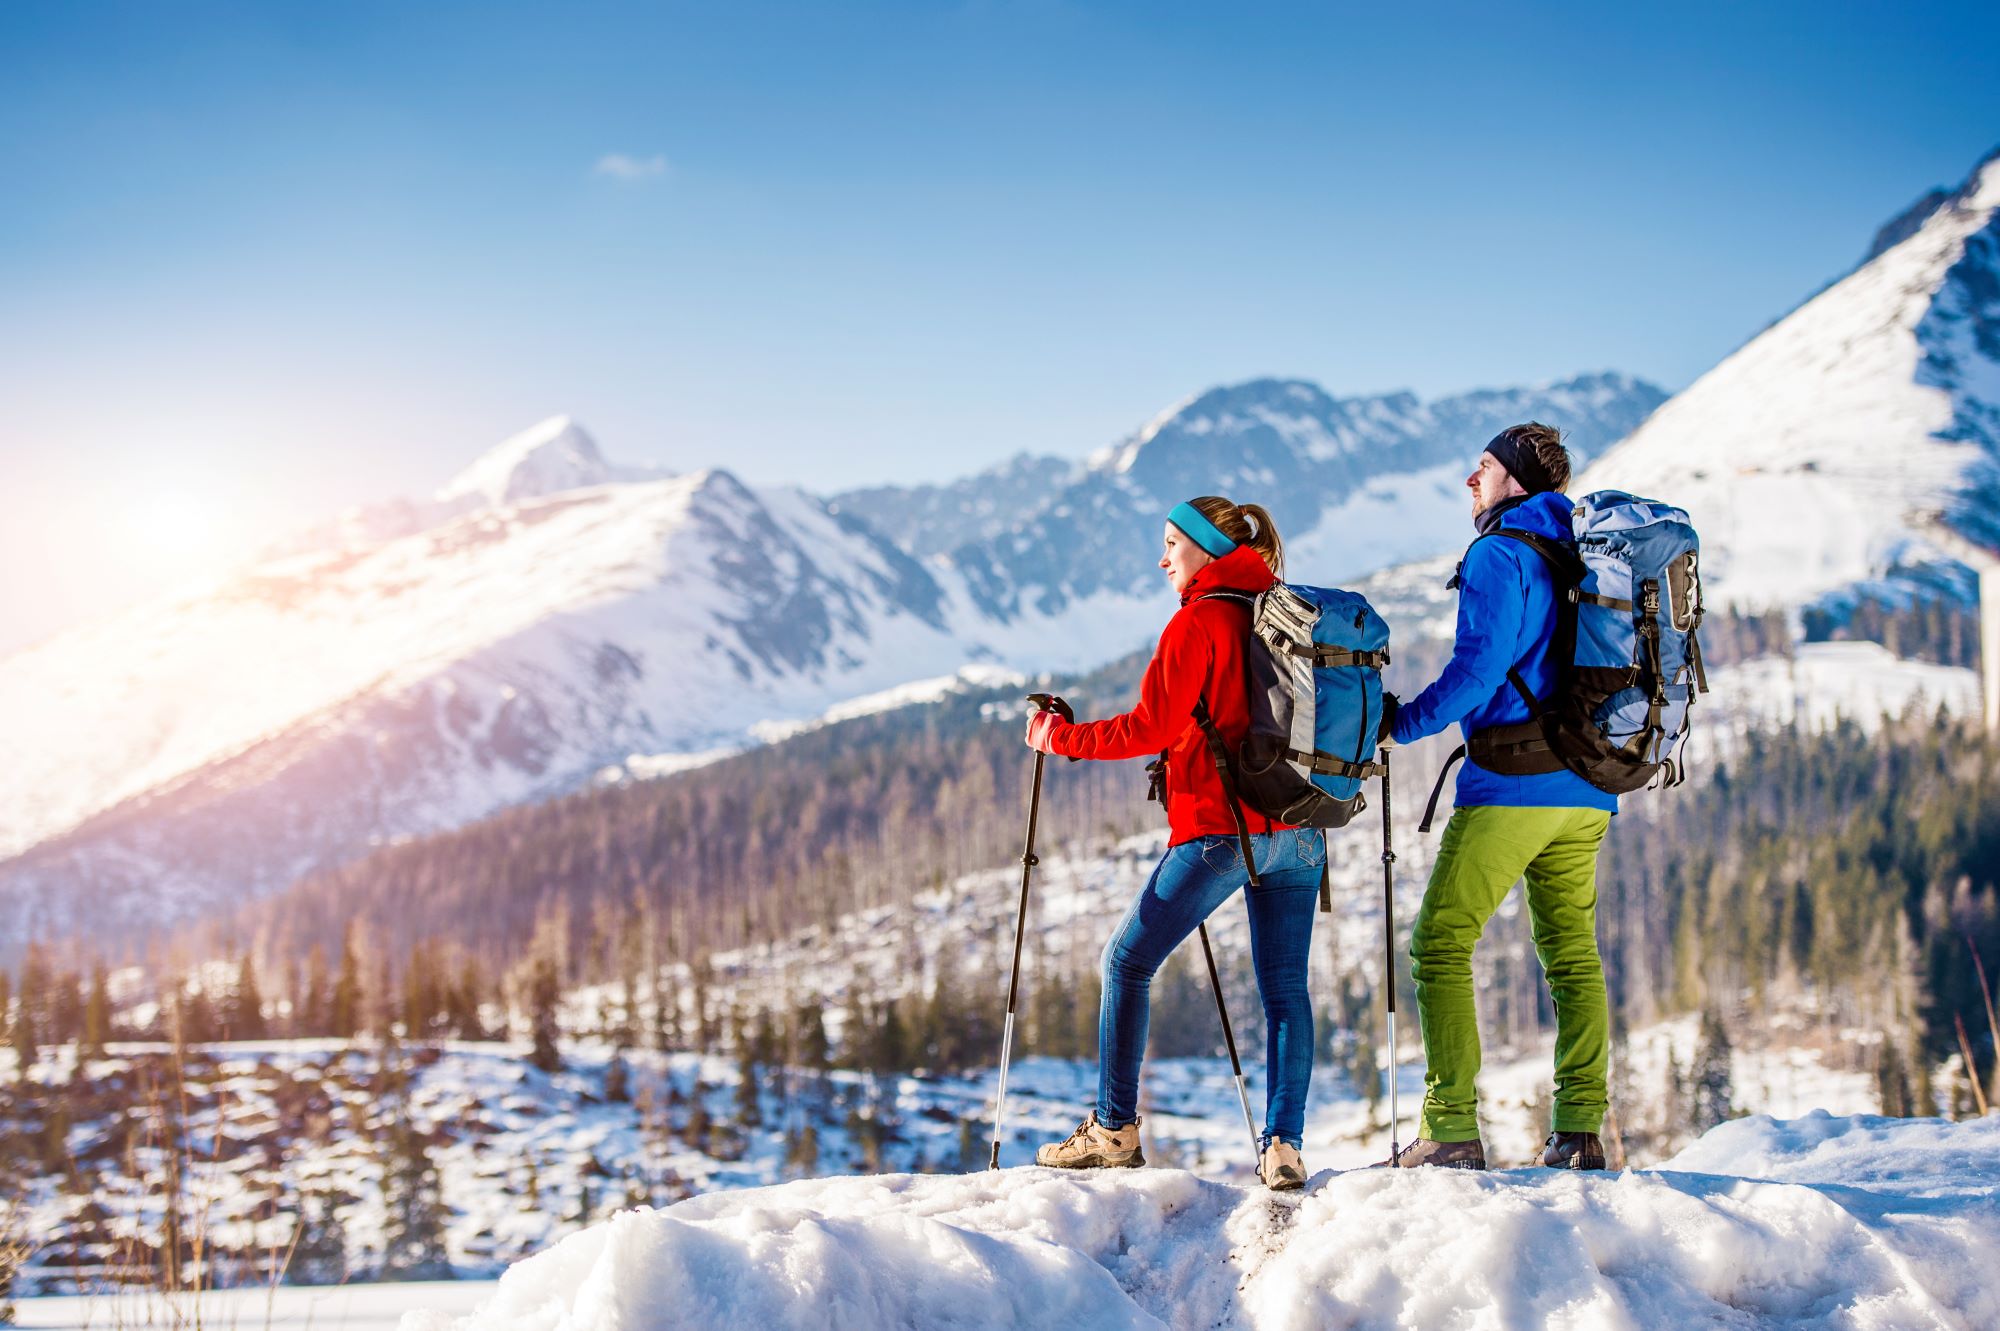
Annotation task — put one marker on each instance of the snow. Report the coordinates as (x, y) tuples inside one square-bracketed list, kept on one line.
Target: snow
[(917, 692), (1393, 520), (509, 655), (544, 459), (360, 1307), (1821, 1221), (1825, 681), (652, 766), (1818, 454)]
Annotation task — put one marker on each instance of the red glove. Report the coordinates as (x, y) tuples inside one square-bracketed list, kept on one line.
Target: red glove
[(1042, 727)]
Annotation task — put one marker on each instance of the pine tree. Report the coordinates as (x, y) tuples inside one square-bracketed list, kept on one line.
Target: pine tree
[(194, 1015), (463, 1003), (749, 1110), (703, 1033), (700, 1126), (344, 1016), (1923, 1093), (320, 1255), (14, 1249), (413, 1203), (544, 991), (1892, 1082), (25, 1049), (310, 1015), (811, 1043), (246, 1015), (617, 1079), (97, 1014), (1713, 1089)]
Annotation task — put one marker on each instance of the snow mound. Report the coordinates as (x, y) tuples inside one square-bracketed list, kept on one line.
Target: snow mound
[(1820, 1221)]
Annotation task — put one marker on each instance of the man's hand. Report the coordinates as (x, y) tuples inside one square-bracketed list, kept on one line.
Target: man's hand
[(1385, 734), (1042, 726)]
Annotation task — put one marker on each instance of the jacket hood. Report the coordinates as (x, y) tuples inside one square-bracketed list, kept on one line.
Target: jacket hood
[(1241, 570), (1546, 514)]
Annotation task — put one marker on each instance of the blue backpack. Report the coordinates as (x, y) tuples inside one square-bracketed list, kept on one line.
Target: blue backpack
[(1628, 598), (1315, 661)]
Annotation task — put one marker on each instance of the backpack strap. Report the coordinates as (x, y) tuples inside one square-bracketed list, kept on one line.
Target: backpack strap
[(1526, 747), (1224, 770), (1325, 657), (1430, 809), (1325, 764)]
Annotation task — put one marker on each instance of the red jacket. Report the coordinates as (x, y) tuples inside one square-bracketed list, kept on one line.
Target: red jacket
[(1200, 656)]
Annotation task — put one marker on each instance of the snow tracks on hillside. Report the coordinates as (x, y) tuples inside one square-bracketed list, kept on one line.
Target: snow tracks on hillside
[(1820, 1221)]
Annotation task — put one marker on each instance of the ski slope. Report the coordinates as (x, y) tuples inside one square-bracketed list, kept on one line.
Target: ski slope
[(1812, 1222)]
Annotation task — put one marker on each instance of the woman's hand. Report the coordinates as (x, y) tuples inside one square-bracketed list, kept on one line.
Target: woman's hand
[(1042, 726)]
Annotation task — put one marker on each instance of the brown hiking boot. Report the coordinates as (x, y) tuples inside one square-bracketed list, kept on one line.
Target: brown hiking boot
[(1425, 1153), (1094, 1146), (1573, 1150), (1280, 1168)]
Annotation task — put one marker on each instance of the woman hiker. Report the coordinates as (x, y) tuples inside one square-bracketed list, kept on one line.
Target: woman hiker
[(1212, 546)]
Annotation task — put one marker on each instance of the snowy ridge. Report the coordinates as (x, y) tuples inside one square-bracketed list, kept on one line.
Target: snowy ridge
[(1289, 445), (903, 695), (1820, 454), (544, 459), (1856, 1222)]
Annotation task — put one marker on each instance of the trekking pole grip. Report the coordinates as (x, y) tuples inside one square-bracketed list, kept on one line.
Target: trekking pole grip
[(1051, 702)]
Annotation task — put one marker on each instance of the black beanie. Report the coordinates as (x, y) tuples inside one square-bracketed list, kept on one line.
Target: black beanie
[(1521, 463)]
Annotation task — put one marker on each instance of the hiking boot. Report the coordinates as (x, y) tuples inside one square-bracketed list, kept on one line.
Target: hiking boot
[(1573, 1150), (1280, 1167), (1425, 1153), (1094, 1146)]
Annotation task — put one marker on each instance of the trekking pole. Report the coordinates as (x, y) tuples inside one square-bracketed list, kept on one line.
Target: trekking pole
[(1041, 702), (1229, 1038), (1389, 950)]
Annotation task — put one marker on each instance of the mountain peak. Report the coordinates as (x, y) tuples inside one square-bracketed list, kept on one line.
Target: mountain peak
[(547, 458), (1982, 187)]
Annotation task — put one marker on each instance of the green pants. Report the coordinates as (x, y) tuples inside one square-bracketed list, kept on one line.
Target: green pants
[(1485, 851)]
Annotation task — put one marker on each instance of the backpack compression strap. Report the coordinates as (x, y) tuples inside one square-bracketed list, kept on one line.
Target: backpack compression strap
[(1324, 657), (1223, 770)]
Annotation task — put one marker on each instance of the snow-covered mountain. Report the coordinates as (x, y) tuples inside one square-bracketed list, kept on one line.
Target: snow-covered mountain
[(227, 739), (547, 615), (932, 520), (1354, 484), (1824, 455)]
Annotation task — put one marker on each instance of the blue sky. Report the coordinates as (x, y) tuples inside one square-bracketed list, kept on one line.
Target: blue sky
[(260, 261)]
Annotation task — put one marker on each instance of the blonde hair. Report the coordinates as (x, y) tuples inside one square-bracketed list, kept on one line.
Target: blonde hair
[(1245, 524)]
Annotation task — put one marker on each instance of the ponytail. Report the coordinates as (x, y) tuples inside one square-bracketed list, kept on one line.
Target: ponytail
[(1246, 524)]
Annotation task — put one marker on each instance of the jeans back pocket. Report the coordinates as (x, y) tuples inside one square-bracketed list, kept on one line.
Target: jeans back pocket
[(1220, 854), (1312, 846)]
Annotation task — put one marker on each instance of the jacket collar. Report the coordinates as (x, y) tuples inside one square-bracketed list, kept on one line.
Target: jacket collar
[(1546, 514), (1488, 520), (1241, 570)]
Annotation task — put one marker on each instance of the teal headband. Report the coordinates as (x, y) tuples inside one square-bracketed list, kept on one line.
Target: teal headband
[(1200, 530)]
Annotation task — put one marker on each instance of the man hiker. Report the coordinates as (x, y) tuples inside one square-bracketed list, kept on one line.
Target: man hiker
[(1545, 827)]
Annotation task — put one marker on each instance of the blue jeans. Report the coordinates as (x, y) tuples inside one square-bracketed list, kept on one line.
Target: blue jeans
[(1194, 878)]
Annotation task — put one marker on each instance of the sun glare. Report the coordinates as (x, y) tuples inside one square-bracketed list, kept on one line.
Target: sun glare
[(179, 532)]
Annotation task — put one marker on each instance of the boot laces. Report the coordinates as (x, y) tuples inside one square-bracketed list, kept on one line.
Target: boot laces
[(1082, 1129)]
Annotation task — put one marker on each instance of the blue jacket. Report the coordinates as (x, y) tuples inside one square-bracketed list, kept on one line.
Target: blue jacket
[(1506, 617)]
